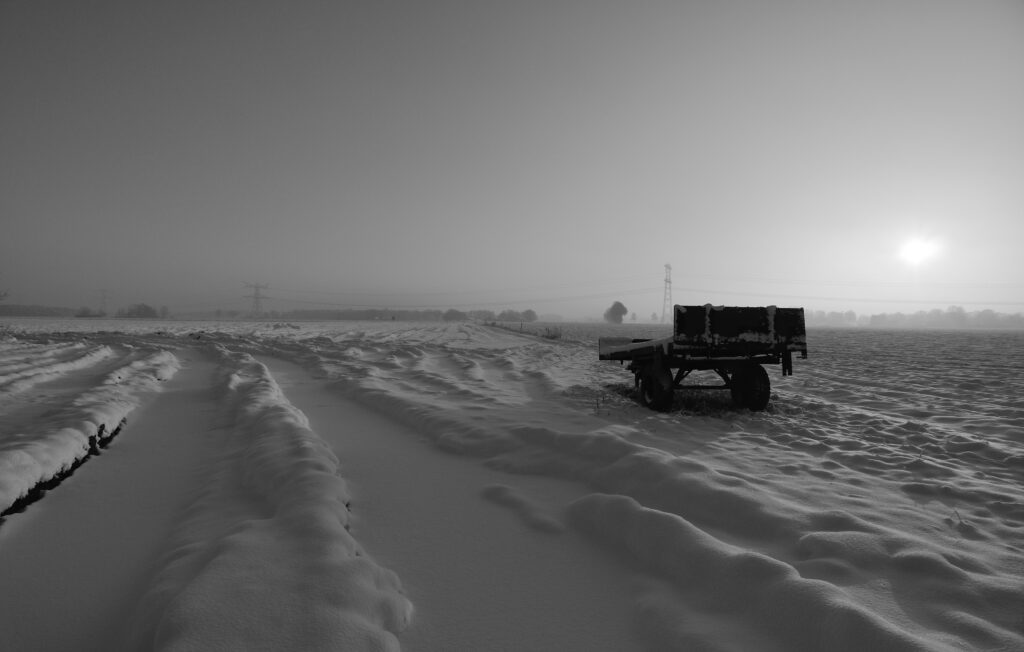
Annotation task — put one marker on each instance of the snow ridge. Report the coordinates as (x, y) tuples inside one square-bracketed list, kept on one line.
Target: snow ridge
[(63, 438), (864, 510), (708, 503), (802, 614), (263, 559), (47, 364)]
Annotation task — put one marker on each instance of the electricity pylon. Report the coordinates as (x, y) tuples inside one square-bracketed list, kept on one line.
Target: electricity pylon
[(666, 305), (256, 296)]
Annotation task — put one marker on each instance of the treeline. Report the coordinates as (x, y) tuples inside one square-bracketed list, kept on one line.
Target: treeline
[(17, 310), (490, 315), (143, 311), (372, 314), (835, 318), (137, 311), (954, 317)]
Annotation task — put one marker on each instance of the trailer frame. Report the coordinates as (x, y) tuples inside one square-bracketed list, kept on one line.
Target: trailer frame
[(734, 342)]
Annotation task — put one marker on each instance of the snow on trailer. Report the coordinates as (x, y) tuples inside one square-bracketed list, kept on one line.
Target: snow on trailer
[(734, 342)]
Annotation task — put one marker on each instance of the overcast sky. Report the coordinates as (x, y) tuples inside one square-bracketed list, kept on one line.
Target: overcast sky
[(493, 153)]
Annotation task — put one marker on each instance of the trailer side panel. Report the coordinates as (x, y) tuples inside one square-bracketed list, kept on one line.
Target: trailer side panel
[(727, 330)]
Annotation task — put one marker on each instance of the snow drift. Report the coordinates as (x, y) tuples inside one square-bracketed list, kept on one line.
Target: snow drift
[(876, 504), (53, 444), (263, 558)]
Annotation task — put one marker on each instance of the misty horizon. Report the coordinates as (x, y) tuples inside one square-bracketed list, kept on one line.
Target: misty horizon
[(500, 155), (951, 318)]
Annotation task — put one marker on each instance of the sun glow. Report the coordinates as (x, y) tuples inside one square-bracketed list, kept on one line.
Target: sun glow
[(918, 251)]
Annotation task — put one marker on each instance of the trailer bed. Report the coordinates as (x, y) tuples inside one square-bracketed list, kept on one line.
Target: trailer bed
[(719, 331), (733, 341)]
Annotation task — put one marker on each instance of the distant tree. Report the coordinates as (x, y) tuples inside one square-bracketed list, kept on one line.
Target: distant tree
[(164, 312), (482, 315), (632, 316), (529, 315), (956, 316), (455, 315), (510, 315), (654, 316), (615, 313), (139, 311), (987, 318)]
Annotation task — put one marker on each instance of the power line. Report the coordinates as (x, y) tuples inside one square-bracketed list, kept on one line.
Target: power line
[(835, 283), (461, 299), (856, 299), (446, 293), (476, 304), (256, 296)]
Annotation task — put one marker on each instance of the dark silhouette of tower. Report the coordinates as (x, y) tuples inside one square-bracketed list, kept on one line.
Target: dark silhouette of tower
[(666, 304), (257, 296)]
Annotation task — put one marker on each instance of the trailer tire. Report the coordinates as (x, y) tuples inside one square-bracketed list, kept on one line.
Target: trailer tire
[(656, 389), (751, 387)]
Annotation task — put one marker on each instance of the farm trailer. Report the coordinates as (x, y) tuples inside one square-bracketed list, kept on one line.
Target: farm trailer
[(734, 342)]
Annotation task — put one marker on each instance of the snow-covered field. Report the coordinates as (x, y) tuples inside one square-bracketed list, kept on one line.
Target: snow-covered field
[(426, 486)]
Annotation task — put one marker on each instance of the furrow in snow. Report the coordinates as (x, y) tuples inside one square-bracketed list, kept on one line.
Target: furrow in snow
[(20, 377), (798, 614), (263, 559), (16, 355), (729, 477), (36, 452)]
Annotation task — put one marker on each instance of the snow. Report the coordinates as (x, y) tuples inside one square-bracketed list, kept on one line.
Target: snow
[(81, 557), (381, 486), (34, 364), (271, 521), (480, 570), (53, 444)]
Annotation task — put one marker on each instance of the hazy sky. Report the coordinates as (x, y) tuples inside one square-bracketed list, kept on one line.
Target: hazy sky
[(546, 154)]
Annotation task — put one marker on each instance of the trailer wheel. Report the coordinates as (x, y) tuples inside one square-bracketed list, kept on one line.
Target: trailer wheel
[(656, 389), (751, 387)]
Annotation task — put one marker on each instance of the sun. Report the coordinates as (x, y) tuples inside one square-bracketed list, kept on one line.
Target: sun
[(917, 251)]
